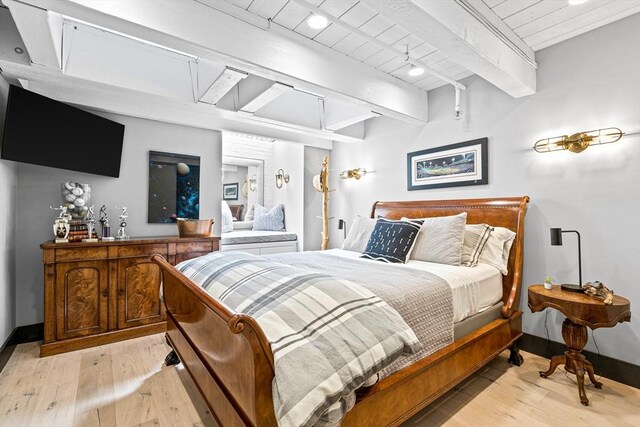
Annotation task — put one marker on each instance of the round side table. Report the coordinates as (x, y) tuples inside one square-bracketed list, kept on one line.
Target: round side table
[(582, 311)]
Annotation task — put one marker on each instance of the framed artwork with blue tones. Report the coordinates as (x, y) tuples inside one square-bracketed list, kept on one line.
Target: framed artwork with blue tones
[(455, 165), (174, 187)]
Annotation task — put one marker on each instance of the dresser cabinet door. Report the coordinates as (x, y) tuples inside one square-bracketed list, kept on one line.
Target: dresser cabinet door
[(139, 282), (81, 298)]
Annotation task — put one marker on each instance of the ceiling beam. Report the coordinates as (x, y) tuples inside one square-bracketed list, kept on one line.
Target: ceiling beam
[(223, 84), (120, 100), (264, 97), (339, 115), (277, 54), (470, 35)]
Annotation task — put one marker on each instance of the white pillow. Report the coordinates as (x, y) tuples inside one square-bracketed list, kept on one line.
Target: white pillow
[(440, 239), (359, 234), (475, 239), (268, 219), (250, 213), (496, 251), (227, 219)]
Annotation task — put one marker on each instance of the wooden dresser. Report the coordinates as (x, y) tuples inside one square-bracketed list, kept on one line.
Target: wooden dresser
[(97, 293)]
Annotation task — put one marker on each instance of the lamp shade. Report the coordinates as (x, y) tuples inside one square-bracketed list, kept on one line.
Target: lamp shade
[(556, 236)]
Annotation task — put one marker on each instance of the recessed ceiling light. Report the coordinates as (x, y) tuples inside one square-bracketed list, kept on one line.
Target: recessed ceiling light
[(317, 22), (415, 71), (575, 2)]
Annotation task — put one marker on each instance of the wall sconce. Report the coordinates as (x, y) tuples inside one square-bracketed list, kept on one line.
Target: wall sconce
[(353, 173), (253, 183), (281, 178), (578, 142)]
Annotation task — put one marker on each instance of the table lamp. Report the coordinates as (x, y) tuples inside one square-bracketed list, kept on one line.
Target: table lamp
[(556, 240)]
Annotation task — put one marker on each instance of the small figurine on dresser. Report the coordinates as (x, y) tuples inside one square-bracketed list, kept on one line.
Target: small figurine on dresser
[(122, 219), (104, 222), (61, 225), (90, 220)]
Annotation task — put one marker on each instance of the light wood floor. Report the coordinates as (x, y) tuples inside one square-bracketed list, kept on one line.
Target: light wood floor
[(126, 384)]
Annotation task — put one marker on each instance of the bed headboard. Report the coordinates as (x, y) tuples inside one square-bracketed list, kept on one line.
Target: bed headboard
[(505, 212)]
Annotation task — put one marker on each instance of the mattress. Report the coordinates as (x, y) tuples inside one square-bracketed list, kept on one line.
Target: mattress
[(237, 237), (475, 289)]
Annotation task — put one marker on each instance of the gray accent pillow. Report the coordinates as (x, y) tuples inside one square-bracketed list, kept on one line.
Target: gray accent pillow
[(440, 239), (496, 251), (268, 219), (359, 234), (475, 239), (227, 219)]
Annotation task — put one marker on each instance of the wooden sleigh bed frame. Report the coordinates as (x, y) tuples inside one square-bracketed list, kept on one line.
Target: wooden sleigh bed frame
[(230, 360)]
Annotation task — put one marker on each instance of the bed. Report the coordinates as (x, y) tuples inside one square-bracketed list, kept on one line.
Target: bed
[(229, 357)]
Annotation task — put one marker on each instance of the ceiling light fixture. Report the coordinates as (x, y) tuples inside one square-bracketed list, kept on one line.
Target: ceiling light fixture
[(317, 22), (576, 2), (415, 71)]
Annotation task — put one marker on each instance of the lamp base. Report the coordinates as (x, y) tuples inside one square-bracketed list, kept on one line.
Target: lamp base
[(571, 287)]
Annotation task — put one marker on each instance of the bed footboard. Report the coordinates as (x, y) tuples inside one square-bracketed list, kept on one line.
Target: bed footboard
[(226, 354)]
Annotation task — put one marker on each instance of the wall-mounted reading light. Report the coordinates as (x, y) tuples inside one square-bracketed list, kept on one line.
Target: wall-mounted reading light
[(353, 173), (281, 178), (253, 183), (342, 225), (578, 142)]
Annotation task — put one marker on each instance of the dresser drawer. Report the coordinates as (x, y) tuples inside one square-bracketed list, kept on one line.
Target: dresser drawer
[(188, 247), (81, 254), (131, 251)]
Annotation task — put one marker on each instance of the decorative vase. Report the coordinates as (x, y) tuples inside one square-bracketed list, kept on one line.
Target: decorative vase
[(76, 197)]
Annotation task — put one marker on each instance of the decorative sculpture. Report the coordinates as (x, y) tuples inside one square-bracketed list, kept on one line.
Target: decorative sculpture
[(122, 219), (90, 220), (598, 289), (104, 223), (61, 225)]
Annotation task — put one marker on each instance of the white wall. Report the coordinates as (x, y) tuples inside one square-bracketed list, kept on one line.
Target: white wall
[(8, 184), (290, 158), (39, 187), (585, 83), (313, 201)]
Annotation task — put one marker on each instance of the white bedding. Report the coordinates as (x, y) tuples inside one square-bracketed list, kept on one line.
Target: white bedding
[(474, 288)]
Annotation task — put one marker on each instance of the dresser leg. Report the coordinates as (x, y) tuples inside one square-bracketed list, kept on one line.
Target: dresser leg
[(515, 358)]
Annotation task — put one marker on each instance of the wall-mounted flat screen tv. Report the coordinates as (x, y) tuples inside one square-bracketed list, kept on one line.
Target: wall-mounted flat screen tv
[(42, 131)]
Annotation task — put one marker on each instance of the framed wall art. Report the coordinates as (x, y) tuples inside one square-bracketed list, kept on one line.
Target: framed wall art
[(455, 165), (174, 187), (230, 191)]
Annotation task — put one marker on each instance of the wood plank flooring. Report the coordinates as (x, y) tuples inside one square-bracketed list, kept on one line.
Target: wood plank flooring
[(126, 384)]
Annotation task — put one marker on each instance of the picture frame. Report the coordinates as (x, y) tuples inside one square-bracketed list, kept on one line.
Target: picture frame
[(230, 191), (174, 187), (455, 165)]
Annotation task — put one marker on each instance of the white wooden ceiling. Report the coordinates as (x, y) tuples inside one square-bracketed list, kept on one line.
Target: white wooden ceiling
[(542, 23), (539, 23)]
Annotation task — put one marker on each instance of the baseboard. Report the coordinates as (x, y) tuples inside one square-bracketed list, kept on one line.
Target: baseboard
[(20, 335), (608, 367)]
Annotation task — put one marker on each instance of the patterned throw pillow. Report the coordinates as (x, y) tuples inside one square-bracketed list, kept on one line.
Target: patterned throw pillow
[(359, 234), (268, 219), (475, 238), (392, 241)]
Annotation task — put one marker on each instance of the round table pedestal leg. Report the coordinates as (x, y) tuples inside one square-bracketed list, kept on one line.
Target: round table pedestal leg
[(575, 337)]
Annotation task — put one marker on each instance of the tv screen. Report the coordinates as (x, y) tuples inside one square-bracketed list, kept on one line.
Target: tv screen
[(41, 131)]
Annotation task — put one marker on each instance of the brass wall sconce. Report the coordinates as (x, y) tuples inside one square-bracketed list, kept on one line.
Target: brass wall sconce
[(253, 183), (353, 173), (578, 142), (281, 178)]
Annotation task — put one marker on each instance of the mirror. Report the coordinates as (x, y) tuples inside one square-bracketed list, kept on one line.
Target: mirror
[(242, 183)]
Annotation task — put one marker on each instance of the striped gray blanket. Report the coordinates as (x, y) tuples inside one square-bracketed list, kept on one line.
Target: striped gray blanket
[(328, 335)]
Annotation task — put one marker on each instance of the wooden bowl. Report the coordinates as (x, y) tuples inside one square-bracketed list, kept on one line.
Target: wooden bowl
[(194, 227)]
